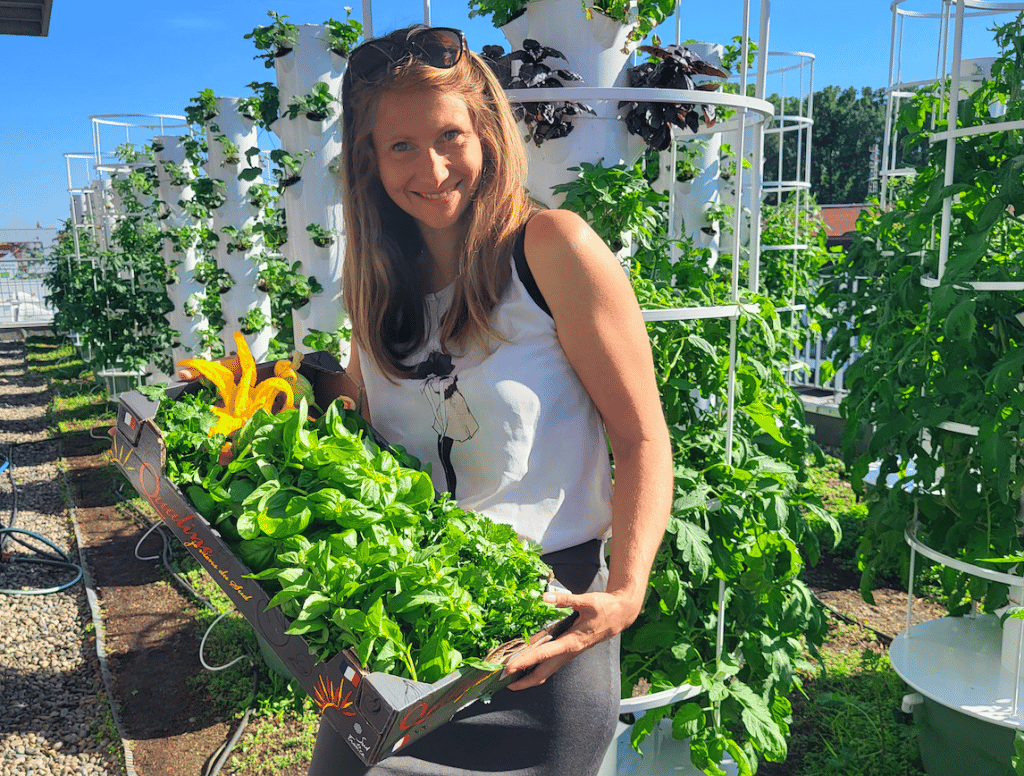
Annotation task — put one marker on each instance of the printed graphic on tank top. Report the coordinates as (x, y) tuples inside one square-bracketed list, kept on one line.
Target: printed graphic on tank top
[(510, 431), (453, 420)]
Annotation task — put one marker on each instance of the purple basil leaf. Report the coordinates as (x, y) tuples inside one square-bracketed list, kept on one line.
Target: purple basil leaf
[(703, 68), (662, 137)]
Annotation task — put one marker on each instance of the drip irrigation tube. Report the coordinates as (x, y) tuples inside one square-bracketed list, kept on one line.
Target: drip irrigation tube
[(40, 555)]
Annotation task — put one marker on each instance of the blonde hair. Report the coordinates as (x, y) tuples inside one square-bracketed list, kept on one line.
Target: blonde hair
[(384, 278)]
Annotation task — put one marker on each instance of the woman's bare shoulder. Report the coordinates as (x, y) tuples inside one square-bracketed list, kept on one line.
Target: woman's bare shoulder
[(560, 245)]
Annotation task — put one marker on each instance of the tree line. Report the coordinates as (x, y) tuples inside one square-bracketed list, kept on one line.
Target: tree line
[(849, 125)]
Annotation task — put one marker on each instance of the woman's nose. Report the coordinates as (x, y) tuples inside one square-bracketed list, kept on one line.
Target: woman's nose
[(436, 166)]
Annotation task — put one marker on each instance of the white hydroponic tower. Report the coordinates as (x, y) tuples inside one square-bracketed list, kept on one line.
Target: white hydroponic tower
[(315, 198), (229, 134)]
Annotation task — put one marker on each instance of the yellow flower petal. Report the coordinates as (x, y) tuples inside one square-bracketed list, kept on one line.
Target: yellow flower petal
[(217, 374), (248, 380), (227, 424), (266, 392)]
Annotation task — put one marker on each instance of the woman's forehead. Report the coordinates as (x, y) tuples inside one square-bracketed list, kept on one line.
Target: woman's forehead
[(409, 109)]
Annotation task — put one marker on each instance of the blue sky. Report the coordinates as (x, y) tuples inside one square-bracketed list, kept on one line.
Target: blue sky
[(120, 57)]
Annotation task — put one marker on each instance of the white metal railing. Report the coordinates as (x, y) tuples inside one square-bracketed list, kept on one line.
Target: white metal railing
[(23, 266)]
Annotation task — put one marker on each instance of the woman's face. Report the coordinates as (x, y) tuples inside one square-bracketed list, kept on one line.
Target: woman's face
[(429, 155)]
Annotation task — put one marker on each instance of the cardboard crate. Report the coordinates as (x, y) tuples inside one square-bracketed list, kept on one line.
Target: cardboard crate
[(376, 713)]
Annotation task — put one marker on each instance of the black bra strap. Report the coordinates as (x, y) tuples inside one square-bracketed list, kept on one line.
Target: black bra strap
[(525, 275)]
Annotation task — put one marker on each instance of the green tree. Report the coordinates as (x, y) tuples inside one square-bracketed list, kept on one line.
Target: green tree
[(847, 125)]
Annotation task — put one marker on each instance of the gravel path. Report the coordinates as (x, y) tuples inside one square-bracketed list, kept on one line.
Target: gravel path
[(54, 712)]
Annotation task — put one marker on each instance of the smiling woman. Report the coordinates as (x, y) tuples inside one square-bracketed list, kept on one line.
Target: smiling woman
[(430, 169), (502, 344)]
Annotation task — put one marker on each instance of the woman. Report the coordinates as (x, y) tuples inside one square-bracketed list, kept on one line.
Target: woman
[(501, 343)]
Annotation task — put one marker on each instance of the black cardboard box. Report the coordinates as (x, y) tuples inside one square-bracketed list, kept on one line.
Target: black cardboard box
[(376, 713)]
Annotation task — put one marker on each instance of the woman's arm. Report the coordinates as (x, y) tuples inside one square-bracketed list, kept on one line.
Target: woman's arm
[(602, 332), (348, 382)]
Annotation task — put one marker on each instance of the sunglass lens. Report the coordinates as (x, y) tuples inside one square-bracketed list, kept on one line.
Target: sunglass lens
[(371, 60), (440, 48)]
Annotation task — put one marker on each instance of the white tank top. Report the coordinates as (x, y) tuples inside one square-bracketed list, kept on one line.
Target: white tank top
[(512, 433)]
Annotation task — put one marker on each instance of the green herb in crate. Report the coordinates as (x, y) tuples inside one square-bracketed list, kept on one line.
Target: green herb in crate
[(362, 554)]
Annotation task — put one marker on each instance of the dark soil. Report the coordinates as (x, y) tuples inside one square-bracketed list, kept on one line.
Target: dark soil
[(175, 729), (152, 642)]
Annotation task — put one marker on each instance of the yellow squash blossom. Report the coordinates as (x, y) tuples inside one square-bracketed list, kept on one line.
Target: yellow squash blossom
[(289, 372), (242, 398)]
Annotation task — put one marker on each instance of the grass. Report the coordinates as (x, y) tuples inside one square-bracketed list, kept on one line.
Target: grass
[(832, 484), (79, 401), (848, 720)]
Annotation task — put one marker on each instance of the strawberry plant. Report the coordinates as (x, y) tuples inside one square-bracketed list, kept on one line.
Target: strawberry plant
[(264, 105), (318, 105), (275, 40), (644, 15), (500, 11), (320, 235), (344, 36), (201, 108)]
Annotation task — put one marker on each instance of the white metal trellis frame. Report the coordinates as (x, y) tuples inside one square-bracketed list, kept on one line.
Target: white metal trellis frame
[(792, 75), (88, 210), (899, 89), (949, 61)]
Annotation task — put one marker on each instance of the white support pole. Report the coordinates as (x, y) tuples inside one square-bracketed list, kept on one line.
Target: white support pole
[(367, 19), (757, 163), (951, 115), (887, 147)]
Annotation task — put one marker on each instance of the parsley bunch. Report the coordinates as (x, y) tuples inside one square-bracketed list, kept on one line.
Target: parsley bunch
[(185, 426)]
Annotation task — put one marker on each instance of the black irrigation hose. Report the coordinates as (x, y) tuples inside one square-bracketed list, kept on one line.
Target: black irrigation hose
[(39, 556), (885, 637)]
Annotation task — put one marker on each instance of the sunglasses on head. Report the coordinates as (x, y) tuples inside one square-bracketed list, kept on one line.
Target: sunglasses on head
[(440, 47)]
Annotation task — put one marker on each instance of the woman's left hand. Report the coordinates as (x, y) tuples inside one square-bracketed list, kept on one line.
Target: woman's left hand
[(601, 616)]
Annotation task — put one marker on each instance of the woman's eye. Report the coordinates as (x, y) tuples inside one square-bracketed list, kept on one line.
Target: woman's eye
[(401, 145), (451, 134)]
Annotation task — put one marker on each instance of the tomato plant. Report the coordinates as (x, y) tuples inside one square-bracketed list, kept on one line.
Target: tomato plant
[(938, 359), (743, 514)]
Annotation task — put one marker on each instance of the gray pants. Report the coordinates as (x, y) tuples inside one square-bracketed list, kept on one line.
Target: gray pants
[(561, 728)]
